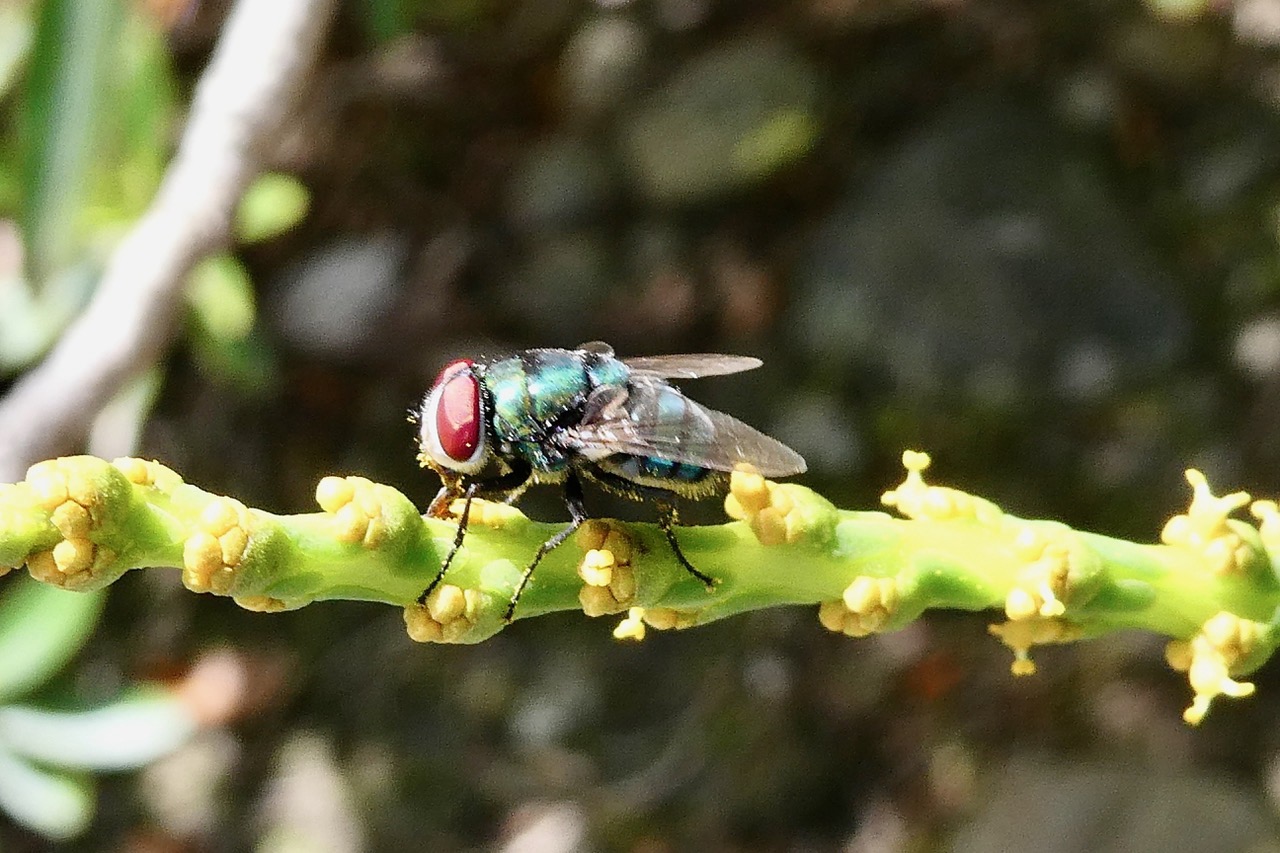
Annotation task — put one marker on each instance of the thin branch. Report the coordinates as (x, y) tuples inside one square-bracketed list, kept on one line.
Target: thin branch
[(262, 58)]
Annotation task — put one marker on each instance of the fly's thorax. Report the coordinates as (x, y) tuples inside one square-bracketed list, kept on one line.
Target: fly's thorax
[(539, 392)]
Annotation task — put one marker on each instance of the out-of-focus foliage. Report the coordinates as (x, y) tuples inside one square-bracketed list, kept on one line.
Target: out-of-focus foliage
[(87, 140), (272, 205), (1038, 240), (50, 749)]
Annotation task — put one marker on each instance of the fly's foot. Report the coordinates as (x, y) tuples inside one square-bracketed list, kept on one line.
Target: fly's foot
[(633, 627), (212, 555), (609, 582), (1208, 658), (766, 506), (448, 614), (1206, 529), (82, 495), (866, 606)]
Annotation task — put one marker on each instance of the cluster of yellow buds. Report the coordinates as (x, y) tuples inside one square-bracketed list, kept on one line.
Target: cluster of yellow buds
[(212, 554), (75, 492), (1206, 530), (448, 614), (356, 507), (866, 606), (1209, 656), (1038, 598), (609, 582), (662, 618), (916, 499), (147, 473), (1021, 634), (1042, 587), (768, 507)]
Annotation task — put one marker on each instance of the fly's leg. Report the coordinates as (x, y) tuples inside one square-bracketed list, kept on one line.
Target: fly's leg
[(667, 516), (573, 500), (514, 480), (667, 520), (457, 542), (439, 507)]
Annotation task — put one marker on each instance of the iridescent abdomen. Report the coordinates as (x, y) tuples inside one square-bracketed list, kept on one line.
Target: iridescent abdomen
[(642, 468), (673, 421)]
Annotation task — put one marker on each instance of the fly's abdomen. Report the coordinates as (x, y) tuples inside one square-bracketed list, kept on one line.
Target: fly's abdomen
[(645, 468)]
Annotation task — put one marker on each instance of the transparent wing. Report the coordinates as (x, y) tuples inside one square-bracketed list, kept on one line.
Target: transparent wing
[(654, 419), (692, 365)]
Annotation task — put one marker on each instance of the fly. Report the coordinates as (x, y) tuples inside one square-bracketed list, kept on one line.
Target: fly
[(492, 429)]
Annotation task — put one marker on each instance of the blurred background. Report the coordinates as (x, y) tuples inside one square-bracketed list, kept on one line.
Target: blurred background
[(1039, 240)]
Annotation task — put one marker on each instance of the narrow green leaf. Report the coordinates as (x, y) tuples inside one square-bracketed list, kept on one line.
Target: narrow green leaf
[(16, 31), (41, 627), (53, 804), (272, 205), (133, 139), (125, 734), (70, 68)]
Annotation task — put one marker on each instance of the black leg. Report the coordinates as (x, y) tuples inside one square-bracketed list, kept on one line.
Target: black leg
[(667, 517), (512, 482), (457, 542), (578, 512), (667, 520)]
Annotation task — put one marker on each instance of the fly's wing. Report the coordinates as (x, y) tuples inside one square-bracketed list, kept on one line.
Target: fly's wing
[(651, 418), (692, 365)]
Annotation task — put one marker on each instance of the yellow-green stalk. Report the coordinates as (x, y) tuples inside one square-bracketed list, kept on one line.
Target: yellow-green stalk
[(1211, 585)]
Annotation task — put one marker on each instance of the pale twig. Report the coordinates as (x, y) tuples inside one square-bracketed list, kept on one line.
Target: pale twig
[(262, 58)]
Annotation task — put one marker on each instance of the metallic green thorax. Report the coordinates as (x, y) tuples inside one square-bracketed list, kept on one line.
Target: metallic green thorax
[(539, 390)]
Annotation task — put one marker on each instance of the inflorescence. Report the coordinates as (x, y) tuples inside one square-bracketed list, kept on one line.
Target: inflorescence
[(1211, 585)]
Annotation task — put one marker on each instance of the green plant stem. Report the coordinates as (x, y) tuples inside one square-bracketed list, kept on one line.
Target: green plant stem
[(82, 522)]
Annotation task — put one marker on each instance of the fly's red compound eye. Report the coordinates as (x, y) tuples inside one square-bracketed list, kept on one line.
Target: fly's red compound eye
[(458, 415), (453, 421)]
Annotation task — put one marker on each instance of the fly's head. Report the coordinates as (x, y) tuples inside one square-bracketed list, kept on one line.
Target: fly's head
[(453, 438)]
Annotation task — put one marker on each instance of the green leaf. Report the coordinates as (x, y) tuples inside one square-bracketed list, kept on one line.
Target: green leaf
[(16, 32), (70, 67), (223, 328), (94, 129), (53, 804), (125, 734), (220, 294), (133, 143), (41, 627), (272, 205)]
